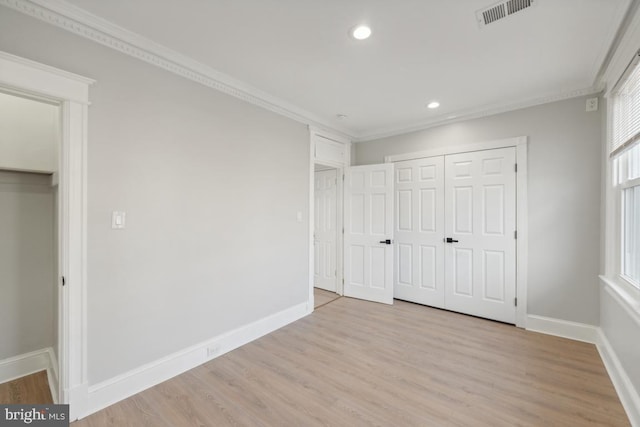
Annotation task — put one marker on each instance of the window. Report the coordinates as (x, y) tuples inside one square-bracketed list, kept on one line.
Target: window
[(625, 153), (629, 183)]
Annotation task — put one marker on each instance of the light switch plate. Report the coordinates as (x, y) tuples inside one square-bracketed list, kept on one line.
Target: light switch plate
[(118, 220)]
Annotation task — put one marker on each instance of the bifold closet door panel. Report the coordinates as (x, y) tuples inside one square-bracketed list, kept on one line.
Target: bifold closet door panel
[(419, 230), (480, 220)]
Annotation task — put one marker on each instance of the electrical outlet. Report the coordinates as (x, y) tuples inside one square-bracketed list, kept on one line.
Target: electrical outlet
[(592, 104), (212, 351)]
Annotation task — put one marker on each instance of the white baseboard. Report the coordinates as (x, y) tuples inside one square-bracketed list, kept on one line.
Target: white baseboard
[(118, 388), (52, 374), (626, 391), (79, 395), (592, 334), (30, 363), (22, 365), (563, 328)]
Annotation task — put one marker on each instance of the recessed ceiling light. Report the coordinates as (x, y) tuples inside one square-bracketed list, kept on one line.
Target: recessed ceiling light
[(341, 116), (433, 104), (361, 32)]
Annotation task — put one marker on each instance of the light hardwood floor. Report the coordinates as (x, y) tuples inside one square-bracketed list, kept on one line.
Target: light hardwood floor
[(355, 363), (31, 389), (322, 297)]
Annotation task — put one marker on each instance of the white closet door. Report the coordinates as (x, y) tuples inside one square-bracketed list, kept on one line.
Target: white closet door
[(325, 231), (419, 249), (368, 233), (480, 211)]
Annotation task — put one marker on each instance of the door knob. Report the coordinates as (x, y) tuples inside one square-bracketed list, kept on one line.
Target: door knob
[(450, 240), (386, 242)]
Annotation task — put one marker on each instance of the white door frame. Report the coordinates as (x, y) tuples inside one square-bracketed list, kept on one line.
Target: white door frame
[(520, 143), (333, 151), (72, 92)]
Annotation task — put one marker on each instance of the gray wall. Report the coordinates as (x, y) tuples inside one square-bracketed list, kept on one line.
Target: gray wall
[(211, 186), (26, 263), (564, 196)]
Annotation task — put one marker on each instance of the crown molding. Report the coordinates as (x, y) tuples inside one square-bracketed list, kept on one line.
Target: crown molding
[(84, 24), (477, 113), (626, 47), (610, 40), (87, 25)]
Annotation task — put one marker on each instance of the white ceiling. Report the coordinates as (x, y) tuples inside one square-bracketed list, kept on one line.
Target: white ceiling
[(299, 51)]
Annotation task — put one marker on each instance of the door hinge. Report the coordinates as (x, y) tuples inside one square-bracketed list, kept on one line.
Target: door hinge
[(63, 281), (342, 230), (343, 177), (516, 301), (343, 280), (516, 167), (515, 234)]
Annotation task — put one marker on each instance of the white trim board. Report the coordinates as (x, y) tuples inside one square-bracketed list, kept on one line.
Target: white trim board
[(30, 363), (629, 303), (118, 388), (627, 393), (563, 328), (455, 149), (52, 375), (42, 79)]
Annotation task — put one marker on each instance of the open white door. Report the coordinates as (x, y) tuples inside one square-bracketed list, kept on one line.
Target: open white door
[(368, 233)]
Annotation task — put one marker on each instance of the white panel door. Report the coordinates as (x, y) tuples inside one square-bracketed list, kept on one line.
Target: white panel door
[(419, 229), (325, 231), (480, 211), (368, 233)]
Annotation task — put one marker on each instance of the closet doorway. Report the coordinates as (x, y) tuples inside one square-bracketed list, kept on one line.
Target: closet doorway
[(455, 232), (29, 295), (461, 229), (326, 234), (71, 93)]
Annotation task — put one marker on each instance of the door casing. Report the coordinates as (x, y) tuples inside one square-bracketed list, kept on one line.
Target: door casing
[(333, 151), (71, 91)]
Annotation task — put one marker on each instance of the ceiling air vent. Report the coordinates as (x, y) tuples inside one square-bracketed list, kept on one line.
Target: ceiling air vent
[(502, 10)]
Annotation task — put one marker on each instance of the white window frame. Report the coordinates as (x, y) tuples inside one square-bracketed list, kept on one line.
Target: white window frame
[(622, 183), (616, 283)]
